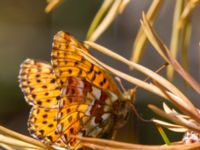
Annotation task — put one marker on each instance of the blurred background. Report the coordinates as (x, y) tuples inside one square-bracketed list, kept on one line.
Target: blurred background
[(26, 31)]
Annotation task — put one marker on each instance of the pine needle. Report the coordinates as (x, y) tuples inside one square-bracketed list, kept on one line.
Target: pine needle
[(163, 135), (112, 13), (140, 41), (176, 35), (100, 14), (52, 4)]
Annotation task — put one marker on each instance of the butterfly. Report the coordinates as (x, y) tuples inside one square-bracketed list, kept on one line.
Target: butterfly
[(70, 97)]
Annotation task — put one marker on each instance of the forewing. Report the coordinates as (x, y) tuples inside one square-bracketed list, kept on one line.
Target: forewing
[(68, 62)]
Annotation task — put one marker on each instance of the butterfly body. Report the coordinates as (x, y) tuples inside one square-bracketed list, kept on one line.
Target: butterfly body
[(70, 97)]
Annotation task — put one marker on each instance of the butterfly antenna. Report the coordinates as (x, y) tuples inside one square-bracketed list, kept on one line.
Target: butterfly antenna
[(157, 71), (134, 110)]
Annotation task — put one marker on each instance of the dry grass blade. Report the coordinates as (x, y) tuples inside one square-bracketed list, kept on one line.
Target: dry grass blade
[(141, 38), (20, 140), (6, 147), (169, 110), (11, 142), (185, 43), (100, 144), (111, 15), (165, 53), (185, 105), (176, 33), (172, 127), (122, 6), (173, 117), (52, 4), (140, 83), (178, 96), (188, 110), (101, 12), (156, 71), (191, 4)]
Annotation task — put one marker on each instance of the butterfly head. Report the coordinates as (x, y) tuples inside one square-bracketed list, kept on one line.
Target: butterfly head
[(122, 108)]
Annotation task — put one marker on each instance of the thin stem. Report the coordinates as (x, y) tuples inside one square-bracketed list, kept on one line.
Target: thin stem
[(23, 138), (176, 32), (101, 12), (163, 135), (140, 40), (142, 69), (112, 13)]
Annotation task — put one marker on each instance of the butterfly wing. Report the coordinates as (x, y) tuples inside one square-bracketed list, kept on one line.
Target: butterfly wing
[(38, 83), (72, 97), (86, 111), (100, 94), (80, 108), (67, 62)]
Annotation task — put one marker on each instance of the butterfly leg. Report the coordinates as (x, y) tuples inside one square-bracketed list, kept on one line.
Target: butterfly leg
[(114, 134)]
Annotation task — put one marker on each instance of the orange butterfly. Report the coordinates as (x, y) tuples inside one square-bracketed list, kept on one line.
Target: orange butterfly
[(72, 97)]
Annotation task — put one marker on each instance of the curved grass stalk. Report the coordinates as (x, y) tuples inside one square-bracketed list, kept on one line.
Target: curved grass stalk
[(145, 71), (185, 44), (52, 4), (162, 49), (122, 6), (163, 134), (173, 117), (140, 40), (174, 95), (11, 138), (176, 35), (170, 126), (101, 12), (6, 147), (111, 15), (191, 4), (11, 142), (100, 144)]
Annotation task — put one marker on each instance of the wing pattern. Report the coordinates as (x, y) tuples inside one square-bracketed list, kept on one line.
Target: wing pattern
[(67, 62), (70, 97)]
